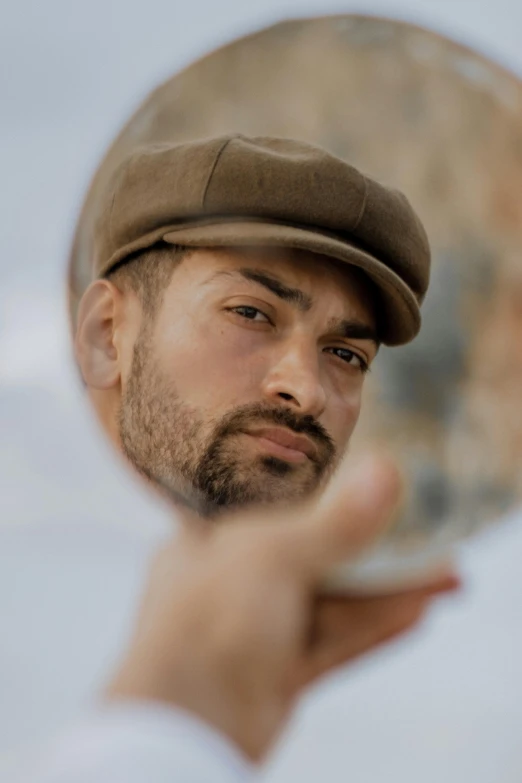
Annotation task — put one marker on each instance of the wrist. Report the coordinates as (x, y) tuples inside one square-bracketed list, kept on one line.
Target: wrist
[(199, 696)]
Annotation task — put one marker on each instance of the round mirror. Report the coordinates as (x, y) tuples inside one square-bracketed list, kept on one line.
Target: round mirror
[(421, 114)]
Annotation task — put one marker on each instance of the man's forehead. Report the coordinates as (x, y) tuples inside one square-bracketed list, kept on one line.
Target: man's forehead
[(291, 266)]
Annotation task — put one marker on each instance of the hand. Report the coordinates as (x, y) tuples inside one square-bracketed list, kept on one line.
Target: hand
[(232, 626)]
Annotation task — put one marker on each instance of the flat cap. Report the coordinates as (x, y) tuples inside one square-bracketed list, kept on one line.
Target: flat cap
[(239, 190)]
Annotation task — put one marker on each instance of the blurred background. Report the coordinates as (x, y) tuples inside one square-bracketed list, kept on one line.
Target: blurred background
[(76, 532)]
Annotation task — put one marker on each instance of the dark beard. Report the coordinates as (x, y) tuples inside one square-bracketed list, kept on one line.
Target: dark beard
[(216, 476), (197, 463)]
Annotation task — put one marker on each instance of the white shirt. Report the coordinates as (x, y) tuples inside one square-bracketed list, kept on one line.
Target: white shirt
[(140, 743)]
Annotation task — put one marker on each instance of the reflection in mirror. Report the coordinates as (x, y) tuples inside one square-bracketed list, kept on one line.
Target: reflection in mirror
[(178, 345)]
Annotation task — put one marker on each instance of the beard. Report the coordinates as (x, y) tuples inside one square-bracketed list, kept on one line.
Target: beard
[(200, 462)]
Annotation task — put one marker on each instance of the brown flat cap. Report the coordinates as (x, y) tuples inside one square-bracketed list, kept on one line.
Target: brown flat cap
[(237, 190)]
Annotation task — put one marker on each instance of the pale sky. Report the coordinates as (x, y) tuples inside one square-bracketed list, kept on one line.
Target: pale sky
[(444, 704)]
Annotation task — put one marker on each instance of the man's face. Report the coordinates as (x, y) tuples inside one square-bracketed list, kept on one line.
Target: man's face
[(246, 386)]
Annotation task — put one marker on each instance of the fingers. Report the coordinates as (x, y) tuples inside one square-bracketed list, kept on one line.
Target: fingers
[(356, 508), (346, 628)]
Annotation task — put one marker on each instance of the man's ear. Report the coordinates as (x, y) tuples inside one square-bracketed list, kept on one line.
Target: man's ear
[(95, 347)]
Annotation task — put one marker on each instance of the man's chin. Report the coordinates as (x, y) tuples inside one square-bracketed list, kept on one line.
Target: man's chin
[(234, 484), (276, 482)]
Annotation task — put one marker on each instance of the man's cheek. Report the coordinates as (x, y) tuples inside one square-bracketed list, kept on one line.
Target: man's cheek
[(214, 375), (344, 421), (234, 357)]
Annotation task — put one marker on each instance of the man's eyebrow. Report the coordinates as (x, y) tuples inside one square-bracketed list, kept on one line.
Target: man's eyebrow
[(353, 329), (293, 295), (340, 327)]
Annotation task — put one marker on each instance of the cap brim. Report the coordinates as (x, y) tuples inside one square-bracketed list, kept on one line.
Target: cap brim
[(399, 309)]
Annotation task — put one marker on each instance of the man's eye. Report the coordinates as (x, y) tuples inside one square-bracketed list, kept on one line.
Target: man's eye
[(250, 313), (351, 358)]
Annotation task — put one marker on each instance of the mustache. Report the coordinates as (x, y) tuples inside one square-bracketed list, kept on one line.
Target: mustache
[(240, 419)]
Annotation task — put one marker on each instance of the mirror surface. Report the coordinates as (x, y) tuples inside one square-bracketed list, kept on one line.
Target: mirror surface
[(441, 123)]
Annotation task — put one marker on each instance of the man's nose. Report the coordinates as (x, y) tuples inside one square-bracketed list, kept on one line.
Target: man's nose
[(295, 378)]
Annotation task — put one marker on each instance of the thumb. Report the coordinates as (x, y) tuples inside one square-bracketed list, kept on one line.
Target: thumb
[(356, 508)]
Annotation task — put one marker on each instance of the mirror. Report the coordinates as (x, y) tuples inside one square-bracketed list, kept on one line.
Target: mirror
[(422, 114)]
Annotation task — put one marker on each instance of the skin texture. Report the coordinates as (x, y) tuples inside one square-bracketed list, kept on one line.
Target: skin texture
[(244, 340), (232, 628)]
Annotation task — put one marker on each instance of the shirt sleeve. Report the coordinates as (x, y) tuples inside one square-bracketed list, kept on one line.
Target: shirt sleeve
[(141, 743)]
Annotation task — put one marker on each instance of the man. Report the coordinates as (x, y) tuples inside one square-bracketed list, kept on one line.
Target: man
[(243, 287)]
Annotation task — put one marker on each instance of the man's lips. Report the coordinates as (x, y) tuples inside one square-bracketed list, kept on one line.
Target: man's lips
[(284, 443)]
